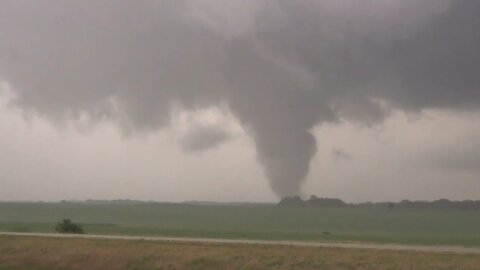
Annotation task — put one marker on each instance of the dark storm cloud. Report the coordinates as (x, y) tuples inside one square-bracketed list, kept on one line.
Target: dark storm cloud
[(283, 67)]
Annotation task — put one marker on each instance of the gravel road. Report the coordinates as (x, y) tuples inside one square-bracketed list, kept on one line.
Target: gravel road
[(434, 249)]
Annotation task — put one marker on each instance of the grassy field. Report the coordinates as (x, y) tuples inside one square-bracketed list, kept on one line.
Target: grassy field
[(266, 222), (18, 253)]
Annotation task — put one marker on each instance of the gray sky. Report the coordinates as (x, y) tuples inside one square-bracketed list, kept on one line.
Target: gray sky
[(239, 100)]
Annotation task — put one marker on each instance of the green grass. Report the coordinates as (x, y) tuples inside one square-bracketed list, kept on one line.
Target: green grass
[(405, 226)]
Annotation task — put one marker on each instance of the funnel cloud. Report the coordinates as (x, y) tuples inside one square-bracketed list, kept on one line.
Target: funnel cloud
[(282, 67)]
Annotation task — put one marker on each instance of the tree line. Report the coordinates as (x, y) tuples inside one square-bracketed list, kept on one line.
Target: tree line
[(442, 204)]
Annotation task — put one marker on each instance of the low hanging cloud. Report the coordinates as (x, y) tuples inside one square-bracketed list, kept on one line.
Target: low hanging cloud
[(203, 137), (340, 155), (461, 156), (282, 66)]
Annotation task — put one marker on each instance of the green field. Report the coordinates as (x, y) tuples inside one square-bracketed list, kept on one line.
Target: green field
[(266, 222)]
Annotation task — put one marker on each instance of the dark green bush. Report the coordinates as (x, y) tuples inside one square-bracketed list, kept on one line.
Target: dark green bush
[(67, 226)]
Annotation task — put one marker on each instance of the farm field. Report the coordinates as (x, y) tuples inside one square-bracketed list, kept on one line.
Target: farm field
[(19, 253), (260, 222)]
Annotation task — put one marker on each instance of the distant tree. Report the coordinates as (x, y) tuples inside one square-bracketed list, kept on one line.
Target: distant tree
[(67, 226), (390, 206), (325, 202), (294, 201)]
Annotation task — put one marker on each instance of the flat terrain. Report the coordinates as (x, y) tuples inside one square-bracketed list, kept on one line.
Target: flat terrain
[(257, 222), (359, 245), (20, 252)]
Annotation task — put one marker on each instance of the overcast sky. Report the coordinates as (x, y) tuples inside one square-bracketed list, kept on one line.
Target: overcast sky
[(227, 100)]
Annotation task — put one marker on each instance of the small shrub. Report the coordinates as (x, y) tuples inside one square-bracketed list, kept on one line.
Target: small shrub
[(67, 226)]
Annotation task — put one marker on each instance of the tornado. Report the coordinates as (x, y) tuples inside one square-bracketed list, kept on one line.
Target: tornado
[(281, 67)]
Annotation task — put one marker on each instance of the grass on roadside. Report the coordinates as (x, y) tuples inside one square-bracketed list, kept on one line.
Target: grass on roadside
[(22, 253)]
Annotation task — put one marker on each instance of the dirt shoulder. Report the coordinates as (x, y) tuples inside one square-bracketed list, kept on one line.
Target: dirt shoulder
[(393, 247)]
